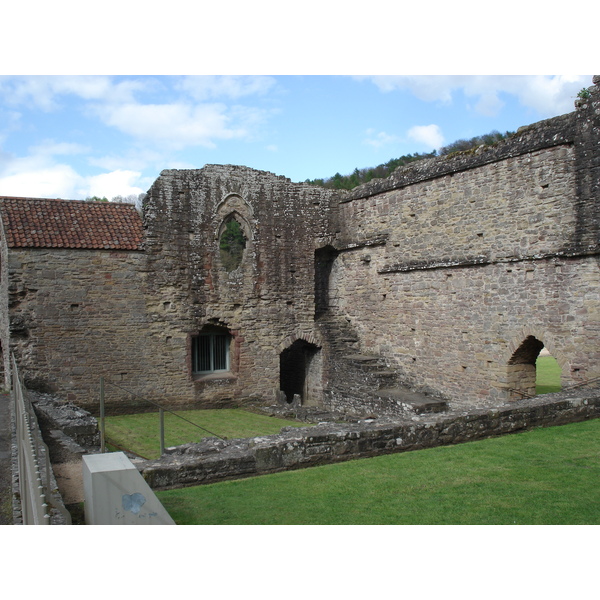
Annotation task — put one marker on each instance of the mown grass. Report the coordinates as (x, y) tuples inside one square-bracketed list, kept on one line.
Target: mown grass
[(547, 375), (545, 476), (140, 433)]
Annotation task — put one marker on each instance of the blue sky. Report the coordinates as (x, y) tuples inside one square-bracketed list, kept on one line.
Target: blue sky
[(99, 101), (76, 136)]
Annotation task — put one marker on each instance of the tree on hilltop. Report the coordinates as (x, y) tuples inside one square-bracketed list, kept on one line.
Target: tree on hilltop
[(360, 176)]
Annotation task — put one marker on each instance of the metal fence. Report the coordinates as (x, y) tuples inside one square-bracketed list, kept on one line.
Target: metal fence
[(33, 460)]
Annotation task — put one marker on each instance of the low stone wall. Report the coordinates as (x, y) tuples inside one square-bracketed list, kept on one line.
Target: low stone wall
[(75, 428), (215, 460)]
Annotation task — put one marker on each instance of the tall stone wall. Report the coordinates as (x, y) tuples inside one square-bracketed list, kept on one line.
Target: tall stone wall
[(76, 316), (446, 268), (454, 330), (266, 304), (513, 209), (73, 316)]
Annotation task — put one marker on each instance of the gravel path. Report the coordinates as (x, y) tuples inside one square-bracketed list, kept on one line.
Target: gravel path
[(69, 479)]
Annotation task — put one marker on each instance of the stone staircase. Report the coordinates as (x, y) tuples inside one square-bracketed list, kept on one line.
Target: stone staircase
[(364, 383)]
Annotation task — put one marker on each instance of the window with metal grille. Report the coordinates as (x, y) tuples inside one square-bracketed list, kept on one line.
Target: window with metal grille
[(210, 353)]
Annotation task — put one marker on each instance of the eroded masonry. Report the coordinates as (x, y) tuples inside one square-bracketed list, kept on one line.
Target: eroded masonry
[(440, 284)]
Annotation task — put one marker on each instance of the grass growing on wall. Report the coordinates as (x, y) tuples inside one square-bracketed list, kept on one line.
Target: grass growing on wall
[(545, 476), (140, 433)]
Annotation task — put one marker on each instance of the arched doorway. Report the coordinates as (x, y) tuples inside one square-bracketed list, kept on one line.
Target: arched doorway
[(523, 373), (299, 372), (548, 372)]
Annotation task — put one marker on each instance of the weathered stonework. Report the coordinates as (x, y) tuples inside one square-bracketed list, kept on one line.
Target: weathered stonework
[(434, 288), (215, 460)]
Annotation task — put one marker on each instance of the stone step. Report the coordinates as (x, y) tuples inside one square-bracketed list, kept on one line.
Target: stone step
[(421, 403), (363, 358), (386, 373)]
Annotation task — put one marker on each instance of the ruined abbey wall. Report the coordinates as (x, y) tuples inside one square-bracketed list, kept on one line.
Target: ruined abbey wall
[(453, 272), (448, 267), (76, 316), (266, 304), (130, 317)]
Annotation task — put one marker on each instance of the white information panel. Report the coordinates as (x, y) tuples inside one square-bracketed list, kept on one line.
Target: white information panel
[(117, 494)]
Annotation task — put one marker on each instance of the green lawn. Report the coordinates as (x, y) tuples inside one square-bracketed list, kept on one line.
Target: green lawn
[(140, 433), (545, 476), (547, 375)]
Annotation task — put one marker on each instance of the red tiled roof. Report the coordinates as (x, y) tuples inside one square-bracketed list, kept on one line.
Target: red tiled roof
[(44, 223)]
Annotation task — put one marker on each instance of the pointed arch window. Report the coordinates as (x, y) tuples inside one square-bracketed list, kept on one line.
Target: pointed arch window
[(232, 243)]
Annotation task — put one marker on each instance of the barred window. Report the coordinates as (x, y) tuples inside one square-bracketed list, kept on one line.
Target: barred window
[(210, 353)]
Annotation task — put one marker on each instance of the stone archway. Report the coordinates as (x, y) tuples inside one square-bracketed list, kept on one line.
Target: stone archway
[(299, 372), (521, 369)]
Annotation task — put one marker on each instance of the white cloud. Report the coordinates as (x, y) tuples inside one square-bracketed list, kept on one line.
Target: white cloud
[(62, 181), (211, 86), (39, 176), (10, 121), (172, 117), (427, 88), (116, 183), (44, 92), (552, 95), (52, 148), (428, 135), (56, 181), (177, 125), (379, 139), (133, 159), (548, 94)]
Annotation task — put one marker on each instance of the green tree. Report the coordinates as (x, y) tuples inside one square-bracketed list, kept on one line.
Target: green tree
[(232, 244), (360, 176)]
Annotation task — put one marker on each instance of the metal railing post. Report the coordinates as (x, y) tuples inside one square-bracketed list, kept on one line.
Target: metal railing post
[(161, 413), (102, 423)]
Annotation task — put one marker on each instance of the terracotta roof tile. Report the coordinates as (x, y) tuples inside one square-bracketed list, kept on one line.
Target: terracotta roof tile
[(44, 223)]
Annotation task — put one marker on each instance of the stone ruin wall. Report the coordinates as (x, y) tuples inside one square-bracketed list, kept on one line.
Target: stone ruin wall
[(447, 267), (443, 269), (76, 316), (266, 304)]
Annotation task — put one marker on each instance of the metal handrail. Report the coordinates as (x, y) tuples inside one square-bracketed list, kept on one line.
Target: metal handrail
[(564, 388), (33, 460), (34, 508)]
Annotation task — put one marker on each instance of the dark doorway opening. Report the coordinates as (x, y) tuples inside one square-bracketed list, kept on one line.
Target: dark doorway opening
[(295, 370), (324, 258)]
